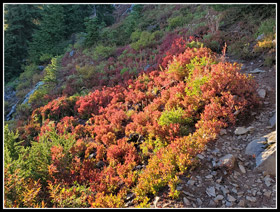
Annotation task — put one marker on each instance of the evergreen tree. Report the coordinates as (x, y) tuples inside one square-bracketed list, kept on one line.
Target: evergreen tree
[(75, 15), (104, 13), (102, 16), (48, 39), (58, 23), (93, 29), (20, 22)]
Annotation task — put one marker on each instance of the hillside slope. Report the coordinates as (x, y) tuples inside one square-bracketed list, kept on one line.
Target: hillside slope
[(141, 117)]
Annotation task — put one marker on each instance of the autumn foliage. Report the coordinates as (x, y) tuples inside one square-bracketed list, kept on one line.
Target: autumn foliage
[(135, 137)]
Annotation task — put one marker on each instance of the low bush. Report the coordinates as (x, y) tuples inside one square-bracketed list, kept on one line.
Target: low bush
[(145, 39), (135, 137), (102, 52)]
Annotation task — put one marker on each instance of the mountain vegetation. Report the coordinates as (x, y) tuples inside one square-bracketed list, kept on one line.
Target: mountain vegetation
[(130, 95)]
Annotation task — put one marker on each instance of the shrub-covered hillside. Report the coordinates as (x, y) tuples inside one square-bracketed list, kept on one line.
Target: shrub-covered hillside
[(126, 97)]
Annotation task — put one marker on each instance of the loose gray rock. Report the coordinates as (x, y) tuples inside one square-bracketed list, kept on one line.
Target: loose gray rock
[(242, 169), (200, 156), (186, 201), (223, 132), (267, 194), (188, 194), (256, 146), (191, 182), (241, 203), (218, 198), (211, 191), (260, 37), (209, 176), (179, 187), (230, 198), (92, 155), (240, 131), (211, 203), (262, 93), (267, 181), (227, 161), (256, 71), (199, 202), (251, 129), (251, 199), (228, 204)]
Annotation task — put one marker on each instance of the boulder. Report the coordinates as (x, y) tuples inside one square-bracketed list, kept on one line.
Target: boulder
[(266, 161), (265, 151), (271, 138), (256, 146)]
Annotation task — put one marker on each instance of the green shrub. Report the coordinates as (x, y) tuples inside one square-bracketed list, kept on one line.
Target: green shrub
[(146, 39), (195, 86), (175, 22), (50, 81), (109, 36), (39, 154), (195, 44), (210, 42), (29, 71), (23, 111), (80, 40), (51, 71), (100, 67), (267, 27), (86, 71), (173, 116), (26, 82), (23, 88), (199, 15), (37, 98), (103, 52), (12, 146), (241, 50), (128, 25), (135, 36), (93, 27), (45, 58), (157, 35), (125, 69), (269, 60), (220, 7)]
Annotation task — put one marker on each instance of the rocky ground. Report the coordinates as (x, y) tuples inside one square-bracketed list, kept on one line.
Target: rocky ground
[(241, 185)]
